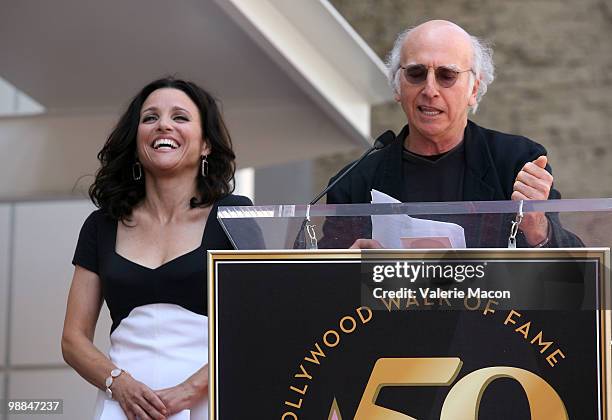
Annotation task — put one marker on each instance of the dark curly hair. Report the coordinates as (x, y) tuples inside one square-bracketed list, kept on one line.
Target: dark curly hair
[(114, 189)]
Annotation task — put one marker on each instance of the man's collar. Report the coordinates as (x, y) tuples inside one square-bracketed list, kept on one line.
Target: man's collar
[(478, 182)]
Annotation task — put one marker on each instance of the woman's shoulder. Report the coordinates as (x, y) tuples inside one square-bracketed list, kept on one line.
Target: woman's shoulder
[(98, 217), (234, 200), (97, 221), (94, 237)]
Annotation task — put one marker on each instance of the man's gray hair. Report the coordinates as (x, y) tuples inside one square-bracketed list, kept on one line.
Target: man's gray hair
[(482, 64)]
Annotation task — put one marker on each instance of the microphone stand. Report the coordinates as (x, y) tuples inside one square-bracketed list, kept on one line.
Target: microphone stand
[(381, 142)]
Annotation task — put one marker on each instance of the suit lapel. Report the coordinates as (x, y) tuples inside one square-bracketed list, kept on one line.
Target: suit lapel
[(480, 180), (390, 180)]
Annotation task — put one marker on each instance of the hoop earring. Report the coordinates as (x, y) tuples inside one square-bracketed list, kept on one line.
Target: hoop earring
[(137, 171), (204, 168)]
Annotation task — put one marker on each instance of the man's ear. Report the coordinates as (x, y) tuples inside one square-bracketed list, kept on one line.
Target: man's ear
[(474, 93), (397, 94)]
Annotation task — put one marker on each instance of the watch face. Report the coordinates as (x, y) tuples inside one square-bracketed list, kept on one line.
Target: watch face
[(115, 372), (109, 381)]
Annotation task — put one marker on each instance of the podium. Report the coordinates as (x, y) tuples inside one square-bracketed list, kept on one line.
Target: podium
[(302, 328)]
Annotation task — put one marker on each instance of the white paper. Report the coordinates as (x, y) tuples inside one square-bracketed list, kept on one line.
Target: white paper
[(389, 230)]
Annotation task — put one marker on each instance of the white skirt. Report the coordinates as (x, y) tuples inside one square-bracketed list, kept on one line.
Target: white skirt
[(160, 345)]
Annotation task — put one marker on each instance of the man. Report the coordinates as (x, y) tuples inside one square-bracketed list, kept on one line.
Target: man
[(439, 73)]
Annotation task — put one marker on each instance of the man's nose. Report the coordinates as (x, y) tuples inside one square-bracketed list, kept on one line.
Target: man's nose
[(431, 85)]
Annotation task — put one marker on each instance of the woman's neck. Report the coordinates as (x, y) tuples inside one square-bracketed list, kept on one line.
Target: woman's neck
[(167, 199)]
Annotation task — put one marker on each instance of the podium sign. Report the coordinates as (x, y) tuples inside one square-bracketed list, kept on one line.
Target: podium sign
[(455, 334)]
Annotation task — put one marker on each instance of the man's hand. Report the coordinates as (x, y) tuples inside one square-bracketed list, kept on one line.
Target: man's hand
[(366, 244), (533, 182)]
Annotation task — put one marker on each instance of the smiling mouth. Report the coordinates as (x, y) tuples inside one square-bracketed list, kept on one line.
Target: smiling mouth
[(165, 144), (428, 111)]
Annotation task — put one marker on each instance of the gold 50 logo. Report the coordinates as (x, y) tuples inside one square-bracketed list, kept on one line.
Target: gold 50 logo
[(463, 400)]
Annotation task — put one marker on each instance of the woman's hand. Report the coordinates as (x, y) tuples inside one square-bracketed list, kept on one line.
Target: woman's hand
[(83, 308), (137, 400), (186, 394)]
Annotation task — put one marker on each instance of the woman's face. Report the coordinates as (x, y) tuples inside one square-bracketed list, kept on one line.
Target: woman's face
[(169, 138)]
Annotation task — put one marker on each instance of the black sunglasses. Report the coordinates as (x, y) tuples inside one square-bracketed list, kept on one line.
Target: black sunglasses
[(446, 77)]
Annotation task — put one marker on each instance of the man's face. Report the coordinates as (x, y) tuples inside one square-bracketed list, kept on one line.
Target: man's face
[(437, 114)]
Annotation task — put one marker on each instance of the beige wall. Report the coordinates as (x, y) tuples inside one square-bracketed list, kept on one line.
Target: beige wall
[(55, 156), (554, 76), (47, 155), (37, 271)]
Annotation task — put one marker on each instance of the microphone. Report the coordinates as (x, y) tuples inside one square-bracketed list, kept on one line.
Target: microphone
[(381, 142)]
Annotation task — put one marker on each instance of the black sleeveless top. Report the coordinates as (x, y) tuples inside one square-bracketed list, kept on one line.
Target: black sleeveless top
[(127, 285)]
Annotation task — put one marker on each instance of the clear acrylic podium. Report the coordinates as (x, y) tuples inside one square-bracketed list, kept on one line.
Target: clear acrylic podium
[(328, 339), (487, 224)]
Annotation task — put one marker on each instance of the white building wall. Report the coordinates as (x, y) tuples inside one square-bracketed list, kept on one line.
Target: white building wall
[(42, 237), (4, 280)]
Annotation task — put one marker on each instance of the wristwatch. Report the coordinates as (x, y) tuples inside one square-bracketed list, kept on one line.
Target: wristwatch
[(109, 381)]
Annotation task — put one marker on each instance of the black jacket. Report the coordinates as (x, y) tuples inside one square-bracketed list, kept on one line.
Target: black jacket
[(493, 160)]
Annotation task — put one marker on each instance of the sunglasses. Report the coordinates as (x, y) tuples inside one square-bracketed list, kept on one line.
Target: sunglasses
[(446, 77)]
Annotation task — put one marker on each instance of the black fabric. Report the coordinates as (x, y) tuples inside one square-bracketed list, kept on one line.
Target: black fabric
[(433, 178), (127, 285), (492, 162)]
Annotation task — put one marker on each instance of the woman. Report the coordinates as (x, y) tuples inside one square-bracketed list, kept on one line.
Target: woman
[(165, 169)]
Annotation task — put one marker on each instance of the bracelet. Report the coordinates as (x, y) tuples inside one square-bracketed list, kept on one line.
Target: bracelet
[(109, 381)]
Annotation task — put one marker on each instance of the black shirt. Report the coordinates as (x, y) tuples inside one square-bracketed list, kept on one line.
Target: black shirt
[(127, 285), (433, 178)]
